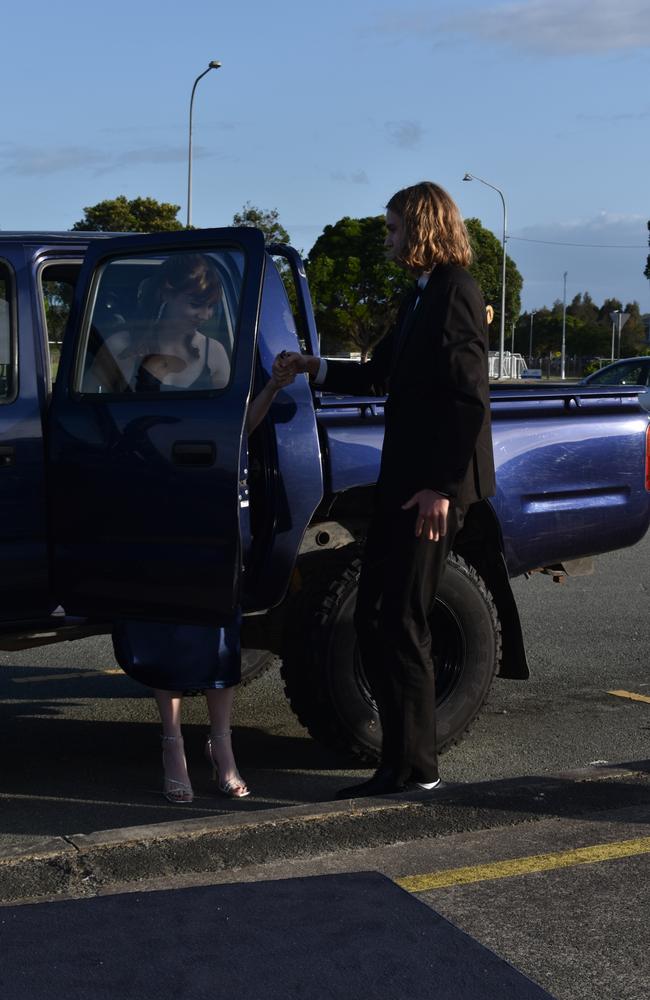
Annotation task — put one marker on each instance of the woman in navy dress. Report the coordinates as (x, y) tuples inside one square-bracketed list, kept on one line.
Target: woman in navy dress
[(174, 660)]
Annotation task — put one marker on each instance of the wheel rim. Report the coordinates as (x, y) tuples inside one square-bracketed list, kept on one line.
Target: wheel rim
[(448, 648)]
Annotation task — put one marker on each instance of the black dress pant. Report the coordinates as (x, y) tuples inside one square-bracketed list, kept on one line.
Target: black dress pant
[(399, 580)]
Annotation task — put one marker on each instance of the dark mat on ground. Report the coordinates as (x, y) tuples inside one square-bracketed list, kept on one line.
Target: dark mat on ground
[(331, 936)]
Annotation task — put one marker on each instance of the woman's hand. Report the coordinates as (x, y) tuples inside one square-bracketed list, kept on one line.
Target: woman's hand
[(298, 363), (281, 374)]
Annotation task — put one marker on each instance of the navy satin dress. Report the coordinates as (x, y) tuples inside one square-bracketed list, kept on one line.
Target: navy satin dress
[(187, 658)]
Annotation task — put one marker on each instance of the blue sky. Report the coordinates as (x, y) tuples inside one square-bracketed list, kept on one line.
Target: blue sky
[(324, 110)]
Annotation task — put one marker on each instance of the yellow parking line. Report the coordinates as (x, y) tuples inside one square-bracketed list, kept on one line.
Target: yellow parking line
[(525, 866), (67, 676), (631, 695)]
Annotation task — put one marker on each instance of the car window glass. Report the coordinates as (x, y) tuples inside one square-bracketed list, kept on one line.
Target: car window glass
[(57, 283), (6, 338), (623, 374), (162, 323)]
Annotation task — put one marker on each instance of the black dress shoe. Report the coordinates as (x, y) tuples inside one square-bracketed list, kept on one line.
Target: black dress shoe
[(383, 782), (417, 786)]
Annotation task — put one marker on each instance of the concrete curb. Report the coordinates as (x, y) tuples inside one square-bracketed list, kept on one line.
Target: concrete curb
[(84, 864)]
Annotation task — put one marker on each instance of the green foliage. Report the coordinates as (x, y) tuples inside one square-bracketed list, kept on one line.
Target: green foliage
[(487, 268), (588, 330), (139, 215), (355, 291), (265, 219), (268, 220), (57, 298)]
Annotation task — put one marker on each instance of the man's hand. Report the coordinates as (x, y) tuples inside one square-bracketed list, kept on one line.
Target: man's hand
[(432, 514), (281, 374)]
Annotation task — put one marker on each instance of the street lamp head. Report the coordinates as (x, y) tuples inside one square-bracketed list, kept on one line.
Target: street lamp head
[(468, 177), (214, 64)]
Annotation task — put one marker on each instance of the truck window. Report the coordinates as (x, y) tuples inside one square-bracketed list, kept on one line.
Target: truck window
[(7, 360), (57, 282), (160, 323)]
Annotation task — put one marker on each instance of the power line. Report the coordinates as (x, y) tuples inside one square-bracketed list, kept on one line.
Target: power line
[(608, 246)]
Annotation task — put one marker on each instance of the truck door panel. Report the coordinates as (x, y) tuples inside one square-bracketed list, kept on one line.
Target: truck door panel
[(145, 475), (286, 483)]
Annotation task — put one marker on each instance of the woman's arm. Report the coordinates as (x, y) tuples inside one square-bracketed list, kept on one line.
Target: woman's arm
[(260, 406)]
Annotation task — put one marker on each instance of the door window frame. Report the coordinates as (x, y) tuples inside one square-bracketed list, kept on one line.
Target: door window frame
[(12, 367), (77, 370), (43, 264)]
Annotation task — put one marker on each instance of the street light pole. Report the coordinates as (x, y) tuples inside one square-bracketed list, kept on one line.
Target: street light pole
[(563, 361), (214, 64), (502, 324)]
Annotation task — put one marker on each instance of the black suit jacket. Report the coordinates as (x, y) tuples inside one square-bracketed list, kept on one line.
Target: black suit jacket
[(434, 367)]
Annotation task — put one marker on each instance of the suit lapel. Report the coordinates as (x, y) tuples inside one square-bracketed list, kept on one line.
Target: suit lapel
[(404, 325)]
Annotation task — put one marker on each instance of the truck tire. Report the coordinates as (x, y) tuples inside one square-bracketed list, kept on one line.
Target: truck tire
[(322, 672), (254, 663)]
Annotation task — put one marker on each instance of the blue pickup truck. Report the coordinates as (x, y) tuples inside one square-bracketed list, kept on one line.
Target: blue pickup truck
[(119, 502)]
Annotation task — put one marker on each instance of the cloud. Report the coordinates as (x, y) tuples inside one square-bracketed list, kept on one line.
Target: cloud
[(405, 134), (356, 177), (34, 161), (175, 127), (159, 154), (623, 116), (606, 230), (561, 27), (551, 27)]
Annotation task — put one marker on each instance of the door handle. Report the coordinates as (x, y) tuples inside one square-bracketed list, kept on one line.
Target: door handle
[(197, 453), (7, 454)]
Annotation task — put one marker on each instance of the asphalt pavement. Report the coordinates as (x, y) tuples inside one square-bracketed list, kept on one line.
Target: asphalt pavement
[(555, 766), (81, 749)]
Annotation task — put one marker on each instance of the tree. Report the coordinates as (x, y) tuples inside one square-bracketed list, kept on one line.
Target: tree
[(487, 269), (647, 266), (57, 299), (265, 219), (355, 290), (139, 215)]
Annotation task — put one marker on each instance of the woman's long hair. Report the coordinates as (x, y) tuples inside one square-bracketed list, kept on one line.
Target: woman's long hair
[(191, 273), (434, 231)]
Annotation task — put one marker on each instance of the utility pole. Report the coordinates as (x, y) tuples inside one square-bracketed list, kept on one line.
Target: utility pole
[(563, 355)]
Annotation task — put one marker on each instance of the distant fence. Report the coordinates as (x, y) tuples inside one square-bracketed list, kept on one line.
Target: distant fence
[(515, 365)]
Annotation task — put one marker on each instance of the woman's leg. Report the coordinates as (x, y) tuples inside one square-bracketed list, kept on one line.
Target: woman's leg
[(219, 748), (176, 786)]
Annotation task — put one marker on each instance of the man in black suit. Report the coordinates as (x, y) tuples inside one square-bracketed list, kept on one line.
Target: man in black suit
[(436, 461)]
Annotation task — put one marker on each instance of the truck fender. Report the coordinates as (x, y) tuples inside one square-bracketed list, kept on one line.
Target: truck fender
[(481, 545)]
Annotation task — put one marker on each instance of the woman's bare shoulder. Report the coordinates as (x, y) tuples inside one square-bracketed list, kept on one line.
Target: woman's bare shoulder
[(218, 363)]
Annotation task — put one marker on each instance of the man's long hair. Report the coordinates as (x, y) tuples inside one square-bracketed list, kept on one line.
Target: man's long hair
[(434, 231)]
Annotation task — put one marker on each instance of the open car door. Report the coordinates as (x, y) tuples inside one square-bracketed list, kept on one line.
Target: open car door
[(146, 426)]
